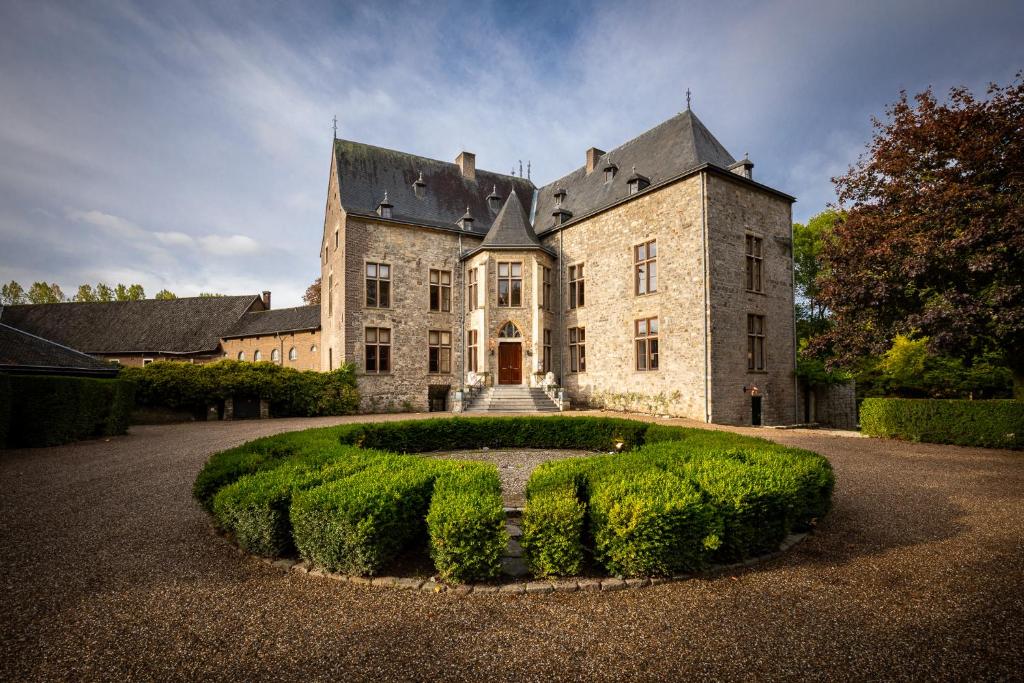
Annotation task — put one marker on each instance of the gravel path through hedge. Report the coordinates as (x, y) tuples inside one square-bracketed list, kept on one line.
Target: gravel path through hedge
[(514, 466), (109, 572)]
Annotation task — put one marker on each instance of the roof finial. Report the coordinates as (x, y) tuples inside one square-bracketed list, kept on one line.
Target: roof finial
[(687, 99), (520, 168), (527, 169), (335, 126), (385, 195)]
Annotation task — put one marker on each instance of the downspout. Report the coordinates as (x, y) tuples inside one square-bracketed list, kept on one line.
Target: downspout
[(462, 323), (707, 311), (561, 345)]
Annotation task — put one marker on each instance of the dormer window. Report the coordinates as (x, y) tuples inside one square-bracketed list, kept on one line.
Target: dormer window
[(560, 194), (637, 182), (562, 216), (466, 222), (610, 170), (419, 188), (384, 208), (494, 200)]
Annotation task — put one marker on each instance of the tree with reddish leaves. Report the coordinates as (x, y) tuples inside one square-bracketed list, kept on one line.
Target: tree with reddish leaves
[(933, 241), (312, 295)]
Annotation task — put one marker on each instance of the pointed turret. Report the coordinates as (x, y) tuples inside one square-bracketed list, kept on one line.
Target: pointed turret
[(511, 228)]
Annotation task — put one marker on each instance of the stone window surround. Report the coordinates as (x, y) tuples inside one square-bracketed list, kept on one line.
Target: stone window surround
[(472, 289), (436, 344), (577, 342), (545, 360), (472, 350), (444, 303), (756, 344), (544, 302), (756, 259), (648, 338), (377, 279), (511, 279), (642, 267), (378, 345), (577, 286)]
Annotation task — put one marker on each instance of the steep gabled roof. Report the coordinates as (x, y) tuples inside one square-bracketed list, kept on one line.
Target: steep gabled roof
[(669, 149), (366, 172), (24, 352), (254, 323), (511, 227), (186, 325)]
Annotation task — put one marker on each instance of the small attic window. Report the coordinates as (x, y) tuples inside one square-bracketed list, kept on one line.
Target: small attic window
[(561, 216), (419, 187), (466, 222), (610, 170), (494, 200), (384, 208), (560, 194), (637, 182)]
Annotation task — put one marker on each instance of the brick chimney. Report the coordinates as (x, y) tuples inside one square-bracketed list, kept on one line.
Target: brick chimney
[(593, 154), (467, 164), (266, 299)]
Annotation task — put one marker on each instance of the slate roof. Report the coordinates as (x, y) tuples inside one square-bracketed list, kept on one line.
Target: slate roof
[(366, 172), (511, 228), (175, 326), (21, 351), (259, 323), (669, 149)]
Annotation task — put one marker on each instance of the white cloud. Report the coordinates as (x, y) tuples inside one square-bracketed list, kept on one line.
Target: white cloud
[(176, 239), (230, 245)]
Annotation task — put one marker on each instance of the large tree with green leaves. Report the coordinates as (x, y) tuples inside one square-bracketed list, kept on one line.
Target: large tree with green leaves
[(933, 241), (43, 293), (808, 240), (12, 293)]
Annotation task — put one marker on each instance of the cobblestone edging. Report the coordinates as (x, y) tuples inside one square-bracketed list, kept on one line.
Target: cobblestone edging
[(533, 587)]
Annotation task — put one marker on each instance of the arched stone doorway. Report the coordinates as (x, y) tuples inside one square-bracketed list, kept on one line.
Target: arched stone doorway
[(510, 354)]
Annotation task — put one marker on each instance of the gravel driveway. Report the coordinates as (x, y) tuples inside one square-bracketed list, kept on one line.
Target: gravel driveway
[(110, 572)]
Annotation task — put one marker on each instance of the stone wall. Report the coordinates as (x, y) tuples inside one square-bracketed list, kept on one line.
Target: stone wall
[(306, 345), (137, 360), (734, 210), (830, 406), (604, 244), (332, 278), (411, 253)]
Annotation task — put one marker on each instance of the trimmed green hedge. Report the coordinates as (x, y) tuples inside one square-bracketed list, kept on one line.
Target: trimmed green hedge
[(51, 409), (466, 523), (291, 392), (676, 499), (991, 424)]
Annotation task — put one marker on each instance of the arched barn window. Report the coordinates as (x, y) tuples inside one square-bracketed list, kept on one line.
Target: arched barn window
[(275, 355), (509, 331), (241, 355), (256, 355), (292, 354)]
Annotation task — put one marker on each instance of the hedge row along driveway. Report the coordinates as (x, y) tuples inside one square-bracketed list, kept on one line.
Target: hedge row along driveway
[(659, 501)]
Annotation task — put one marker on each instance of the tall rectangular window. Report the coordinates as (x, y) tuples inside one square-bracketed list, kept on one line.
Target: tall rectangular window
[(755, 342), (471, 351), (378, 285), (441, 290), (510, 283), (577, 349), (335, 240), (576, 286), (545, 360), (330, 294), (645, 267), (545, 292), (439, 357), (378, 349), (755, 258), (471, 289), (645, 335)]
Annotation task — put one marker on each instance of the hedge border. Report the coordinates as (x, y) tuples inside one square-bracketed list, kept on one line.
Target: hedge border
[(997, 423), (514, 587)]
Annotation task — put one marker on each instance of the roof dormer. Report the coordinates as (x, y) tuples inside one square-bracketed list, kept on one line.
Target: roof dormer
[(384, 208), (559, 195), (610, 169), (636, 182), (494, 200), (419, 187), (466, 222), (561, 216)]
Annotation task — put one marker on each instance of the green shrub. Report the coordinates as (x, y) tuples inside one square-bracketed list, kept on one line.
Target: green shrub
[(359, 524), (466, 523), (291, 392), (52, 410), (255, 508), (651, 523), (552, 538), (992, 424)]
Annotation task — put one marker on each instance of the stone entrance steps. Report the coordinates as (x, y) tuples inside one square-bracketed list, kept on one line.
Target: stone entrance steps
[(507, 398), (512, 564)]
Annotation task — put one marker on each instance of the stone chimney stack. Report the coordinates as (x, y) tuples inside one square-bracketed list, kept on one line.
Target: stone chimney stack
[(467, 164), (266, 299), (593, 154), (743, 167)]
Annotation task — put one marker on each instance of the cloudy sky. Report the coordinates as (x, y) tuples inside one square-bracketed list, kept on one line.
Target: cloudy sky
[(187, 146)]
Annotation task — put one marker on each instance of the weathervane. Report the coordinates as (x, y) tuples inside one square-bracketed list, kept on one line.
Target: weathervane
[(687, 99), (335, 126)]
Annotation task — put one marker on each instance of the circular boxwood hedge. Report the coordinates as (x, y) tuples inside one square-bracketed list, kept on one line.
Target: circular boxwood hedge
[(658, 500)]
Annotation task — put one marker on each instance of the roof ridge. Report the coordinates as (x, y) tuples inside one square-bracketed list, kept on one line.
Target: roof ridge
[(430, 159)]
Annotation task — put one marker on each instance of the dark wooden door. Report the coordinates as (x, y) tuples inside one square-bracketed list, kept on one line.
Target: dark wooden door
[(755, 411), (510, 363)]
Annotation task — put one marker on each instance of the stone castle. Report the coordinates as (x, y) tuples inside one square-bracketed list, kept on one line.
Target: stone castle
[(656, 277)]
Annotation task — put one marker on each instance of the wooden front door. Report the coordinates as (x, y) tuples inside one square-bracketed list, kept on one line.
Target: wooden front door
[(510, 363)]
